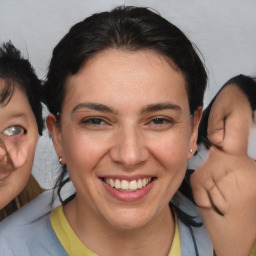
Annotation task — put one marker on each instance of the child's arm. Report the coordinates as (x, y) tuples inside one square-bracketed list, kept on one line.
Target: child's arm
[(224, 187)]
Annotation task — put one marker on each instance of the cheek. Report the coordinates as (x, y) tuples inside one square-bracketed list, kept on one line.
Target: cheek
[(172, 153), (88, 151), (172, 148), (14, 184), (24, 171), (21, 176)]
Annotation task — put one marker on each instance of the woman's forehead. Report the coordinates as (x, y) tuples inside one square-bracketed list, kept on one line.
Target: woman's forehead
[(118, 73), (119, 78)]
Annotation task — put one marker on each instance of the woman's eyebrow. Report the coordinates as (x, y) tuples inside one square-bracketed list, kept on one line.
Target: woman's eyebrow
[(93, 106), (107, 109), (161, 106)]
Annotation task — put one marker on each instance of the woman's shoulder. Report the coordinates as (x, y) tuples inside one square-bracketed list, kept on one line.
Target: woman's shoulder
[(29, 230), (194, 237)]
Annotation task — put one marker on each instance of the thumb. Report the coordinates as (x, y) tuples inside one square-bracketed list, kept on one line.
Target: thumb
[(230, 120), (12, 154)]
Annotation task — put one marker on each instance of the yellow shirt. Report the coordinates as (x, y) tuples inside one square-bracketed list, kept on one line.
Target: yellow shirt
[(74, 247), (253, 251)]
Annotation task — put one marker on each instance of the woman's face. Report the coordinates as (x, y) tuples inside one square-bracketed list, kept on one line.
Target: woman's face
[(18, 131), (125, 134)]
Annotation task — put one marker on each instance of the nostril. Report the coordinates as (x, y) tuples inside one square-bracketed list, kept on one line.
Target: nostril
[(129, 149)]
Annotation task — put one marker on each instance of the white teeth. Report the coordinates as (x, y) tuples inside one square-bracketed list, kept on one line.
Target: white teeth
[(139, 183), (111, 183), (133, 185), (128, 186), (124, 184), (117, 184)]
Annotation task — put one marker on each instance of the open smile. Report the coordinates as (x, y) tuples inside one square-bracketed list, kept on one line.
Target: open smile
[(128, 190), (126, 185)]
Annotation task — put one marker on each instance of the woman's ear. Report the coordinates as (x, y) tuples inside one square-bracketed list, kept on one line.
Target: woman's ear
[(55, 130), (193, 138)]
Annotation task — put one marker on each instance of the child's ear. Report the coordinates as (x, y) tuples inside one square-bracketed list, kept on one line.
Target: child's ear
[(55, 130), (194, 135)]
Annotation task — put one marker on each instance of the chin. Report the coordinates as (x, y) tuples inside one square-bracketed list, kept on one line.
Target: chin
[(128, 219)]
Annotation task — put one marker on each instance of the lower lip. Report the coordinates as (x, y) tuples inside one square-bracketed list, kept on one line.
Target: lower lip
[(128, 196)]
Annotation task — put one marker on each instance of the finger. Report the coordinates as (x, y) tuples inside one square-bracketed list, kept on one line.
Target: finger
[(201, 182), (207, 179), (237, 131), (212, 200), (230, 120), (216, 123), (5, 163), (3, 152), (217, 199), (12, 155)]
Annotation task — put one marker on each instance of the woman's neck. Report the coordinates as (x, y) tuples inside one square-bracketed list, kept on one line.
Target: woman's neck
[(155, 238)]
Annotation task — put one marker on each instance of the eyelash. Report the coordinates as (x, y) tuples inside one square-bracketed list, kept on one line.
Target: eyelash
[(12, 131), (94, 121), (161, 122), (157, 122)]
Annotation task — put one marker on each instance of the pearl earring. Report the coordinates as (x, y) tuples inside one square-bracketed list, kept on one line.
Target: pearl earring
[(60, 159)]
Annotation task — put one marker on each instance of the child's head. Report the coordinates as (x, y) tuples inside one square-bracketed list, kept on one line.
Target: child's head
[(20, 121)]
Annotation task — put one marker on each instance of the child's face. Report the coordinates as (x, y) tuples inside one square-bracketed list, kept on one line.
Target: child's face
[(125, 134), (19, 133)]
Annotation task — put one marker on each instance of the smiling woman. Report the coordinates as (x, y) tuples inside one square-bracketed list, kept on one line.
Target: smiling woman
[(20, 123), (143, 141), (127, 97), (125, 92)]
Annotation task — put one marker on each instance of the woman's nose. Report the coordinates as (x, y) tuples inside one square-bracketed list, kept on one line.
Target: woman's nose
[(129, 148)]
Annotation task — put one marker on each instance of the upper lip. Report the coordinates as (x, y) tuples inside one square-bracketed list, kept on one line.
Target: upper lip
[(129, 178)]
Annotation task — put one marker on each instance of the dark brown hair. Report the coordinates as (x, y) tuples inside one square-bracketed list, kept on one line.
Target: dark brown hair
[(17, 71)]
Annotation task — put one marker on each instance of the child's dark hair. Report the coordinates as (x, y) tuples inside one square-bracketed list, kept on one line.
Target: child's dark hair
[(14, 69)]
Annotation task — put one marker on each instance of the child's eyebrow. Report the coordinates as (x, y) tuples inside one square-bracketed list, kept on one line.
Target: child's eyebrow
[(18, 115)]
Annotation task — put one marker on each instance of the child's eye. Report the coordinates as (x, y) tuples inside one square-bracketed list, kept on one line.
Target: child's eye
[(14, 130)]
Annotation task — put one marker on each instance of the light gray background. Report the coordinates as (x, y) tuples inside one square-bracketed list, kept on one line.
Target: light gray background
[(223, 30)]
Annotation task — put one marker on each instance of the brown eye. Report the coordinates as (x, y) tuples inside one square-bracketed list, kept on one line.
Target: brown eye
[(159, 123), (93, 121)]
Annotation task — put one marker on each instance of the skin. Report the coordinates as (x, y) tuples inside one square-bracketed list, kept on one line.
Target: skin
[(128, 143), (19, 133), (228, 176), (233, 134)]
